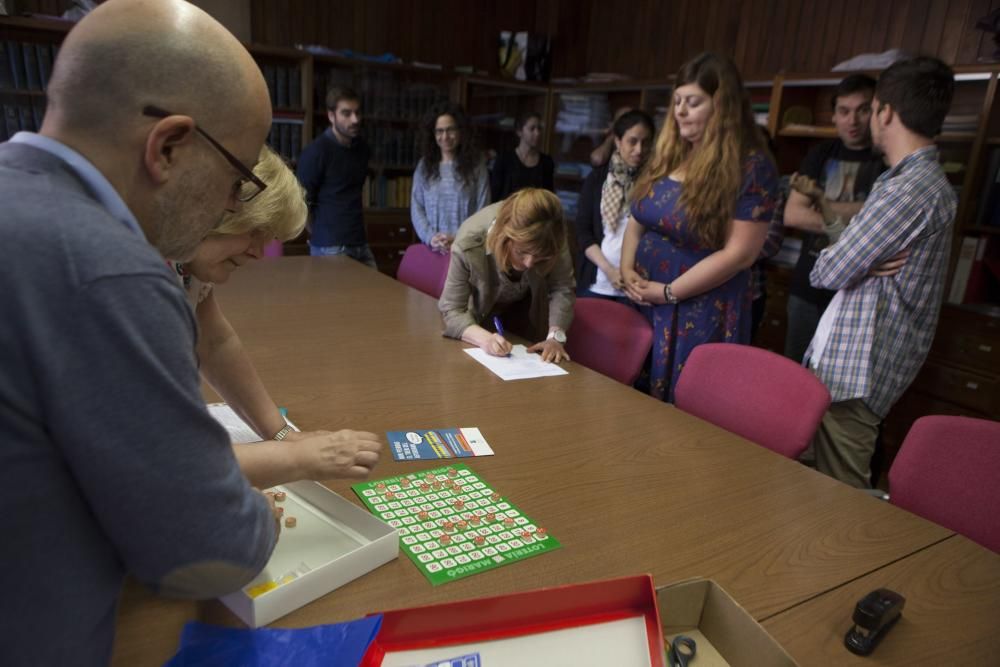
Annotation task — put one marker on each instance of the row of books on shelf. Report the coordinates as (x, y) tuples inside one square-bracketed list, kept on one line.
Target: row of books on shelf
[(960, 123), (382, 95), (26, 65), (393, 146), (324, 79), (386, 192), (24, 115), (284, 83), (286, 138)]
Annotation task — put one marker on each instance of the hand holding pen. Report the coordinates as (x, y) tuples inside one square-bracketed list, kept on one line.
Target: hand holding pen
[(498, 346)]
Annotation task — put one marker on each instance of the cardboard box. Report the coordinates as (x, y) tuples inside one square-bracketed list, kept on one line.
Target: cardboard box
[(334, 542), (724, 632), (612, 622)]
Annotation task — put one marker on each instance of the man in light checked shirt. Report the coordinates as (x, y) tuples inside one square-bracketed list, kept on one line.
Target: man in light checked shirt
[(888, 268)]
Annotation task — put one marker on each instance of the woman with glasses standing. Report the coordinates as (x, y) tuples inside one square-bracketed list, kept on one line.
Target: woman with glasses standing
[(525, 166), (450, 182), (700, 214)]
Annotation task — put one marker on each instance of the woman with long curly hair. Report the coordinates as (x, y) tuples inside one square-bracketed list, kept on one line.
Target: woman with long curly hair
[(700, 214), (450, 182)]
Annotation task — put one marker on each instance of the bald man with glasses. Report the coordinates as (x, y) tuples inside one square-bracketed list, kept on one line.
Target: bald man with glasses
[(110, 463)]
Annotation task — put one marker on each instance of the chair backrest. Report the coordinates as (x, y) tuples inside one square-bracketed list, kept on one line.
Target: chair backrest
[(756, 394), (948, 471), (423, 269), (609, 337)]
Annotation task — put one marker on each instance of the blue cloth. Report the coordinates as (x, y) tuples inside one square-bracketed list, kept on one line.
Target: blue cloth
[(667, 250), (340, 644)]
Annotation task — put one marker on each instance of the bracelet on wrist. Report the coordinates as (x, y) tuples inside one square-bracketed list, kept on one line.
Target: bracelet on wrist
[(668, 294), (283, 433)]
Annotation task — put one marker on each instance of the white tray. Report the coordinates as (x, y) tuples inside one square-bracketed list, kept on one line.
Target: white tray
[(334, 542)]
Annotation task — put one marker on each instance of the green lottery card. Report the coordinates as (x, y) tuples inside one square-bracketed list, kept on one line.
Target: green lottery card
[(452, 524)]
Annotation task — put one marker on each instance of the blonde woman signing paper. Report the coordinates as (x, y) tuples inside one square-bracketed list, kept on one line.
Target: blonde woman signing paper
[(511, 260)]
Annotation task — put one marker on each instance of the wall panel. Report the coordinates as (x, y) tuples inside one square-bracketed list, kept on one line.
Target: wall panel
[(644, 39)]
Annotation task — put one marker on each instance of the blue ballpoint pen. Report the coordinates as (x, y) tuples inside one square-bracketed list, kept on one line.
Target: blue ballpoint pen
[(498, 325)]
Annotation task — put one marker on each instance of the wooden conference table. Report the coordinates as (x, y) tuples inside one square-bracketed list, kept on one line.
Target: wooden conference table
[(626, 483)]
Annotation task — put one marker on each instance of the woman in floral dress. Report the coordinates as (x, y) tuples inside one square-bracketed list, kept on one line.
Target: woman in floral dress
[(700, 214)]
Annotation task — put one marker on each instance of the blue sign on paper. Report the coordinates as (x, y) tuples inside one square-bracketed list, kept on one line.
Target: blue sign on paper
[(438, 443), (467, 660)]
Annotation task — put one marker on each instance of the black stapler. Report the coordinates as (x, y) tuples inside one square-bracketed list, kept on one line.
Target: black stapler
[(874, 616)]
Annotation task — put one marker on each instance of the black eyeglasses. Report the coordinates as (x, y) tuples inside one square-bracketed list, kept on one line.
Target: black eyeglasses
[(247, 187)]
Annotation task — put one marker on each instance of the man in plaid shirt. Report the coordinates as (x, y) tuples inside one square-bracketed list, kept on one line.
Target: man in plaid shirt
[(875, 334)]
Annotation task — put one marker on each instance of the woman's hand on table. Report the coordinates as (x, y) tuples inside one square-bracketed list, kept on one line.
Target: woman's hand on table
[(335, 454), (551, 350)]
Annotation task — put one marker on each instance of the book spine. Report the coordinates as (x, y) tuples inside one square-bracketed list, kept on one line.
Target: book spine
[(281, 87), (38, 112), (10, 120), (16, 58), (30, 66), (27, 120), (6, 74), (44, 56), (295, 88), (270, 78)]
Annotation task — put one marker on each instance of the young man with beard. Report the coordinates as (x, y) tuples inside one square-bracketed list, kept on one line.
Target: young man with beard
[(333, 169), (843, 169), (877, 330)]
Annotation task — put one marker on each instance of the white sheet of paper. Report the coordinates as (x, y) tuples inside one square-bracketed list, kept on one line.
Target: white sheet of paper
[(520, 365), (239, 430)]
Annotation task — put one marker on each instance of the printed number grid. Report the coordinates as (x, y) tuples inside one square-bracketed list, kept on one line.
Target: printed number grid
[(451, 533)]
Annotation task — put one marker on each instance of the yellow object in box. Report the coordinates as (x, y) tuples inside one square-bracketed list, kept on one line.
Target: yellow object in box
[(260, 589)]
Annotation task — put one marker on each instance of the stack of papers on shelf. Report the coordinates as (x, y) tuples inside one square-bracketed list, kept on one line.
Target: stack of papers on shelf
[(960, 123), (581, 169), (570, 202), (583, 113)]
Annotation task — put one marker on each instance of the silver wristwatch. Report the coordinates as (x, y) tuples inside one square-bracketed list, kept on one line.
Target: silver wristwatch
[(558, 335), (280, 435)]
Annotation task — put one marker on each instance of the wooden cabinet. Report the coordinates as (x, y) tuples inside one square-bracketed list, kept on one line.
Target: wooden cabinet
[(390, 232), (774, 324), (961, 375)]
